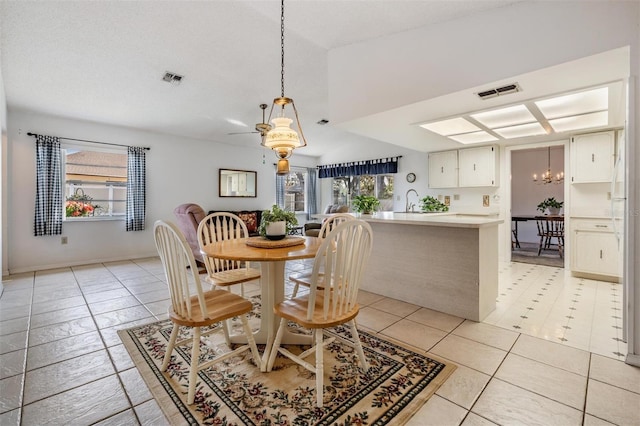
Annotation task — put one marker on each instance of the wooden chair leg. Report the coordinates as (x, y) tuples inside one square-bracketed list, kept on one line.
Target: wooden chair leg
[(319, 367), (193, 370), (358, 345), (170, 346)]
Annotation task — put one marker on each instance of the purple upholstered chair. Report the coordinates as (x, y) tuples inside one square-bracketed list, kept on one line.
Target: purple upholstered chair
[(189, 217)]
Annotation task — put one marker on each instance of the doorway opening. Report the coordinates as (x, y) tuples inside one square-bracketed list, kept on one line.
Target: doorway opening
[(537, 205)]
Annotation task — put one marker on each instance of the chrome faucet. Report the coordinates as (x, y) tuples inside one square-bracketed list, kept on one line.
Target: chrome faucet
[(410, 206)]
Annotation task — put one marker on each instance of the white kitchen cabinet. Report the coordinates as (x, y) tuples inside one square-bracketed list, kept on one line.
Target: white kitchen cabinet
[(478, 166), (443, 169), (592, 157), (595, 249)]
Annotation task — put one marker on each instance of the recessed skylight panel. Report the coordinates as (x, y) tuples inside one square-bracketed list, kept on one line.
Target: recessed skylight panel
[(503, 117), (579, 122), (521, 131), (574, 104), (452, 126), (475, 137)]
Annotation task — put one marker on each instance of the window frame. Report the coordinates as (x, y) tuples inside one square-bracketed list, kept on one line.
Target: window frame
[(110, 186)]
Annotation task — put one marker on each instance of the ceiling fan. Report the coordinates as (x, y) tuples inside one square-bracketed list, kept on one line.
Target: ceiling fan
[(261, 128)]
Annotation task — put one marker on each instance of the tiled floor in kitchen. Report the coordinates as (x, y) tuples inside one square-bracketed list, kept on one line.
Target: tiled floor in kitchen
[(549, 355)]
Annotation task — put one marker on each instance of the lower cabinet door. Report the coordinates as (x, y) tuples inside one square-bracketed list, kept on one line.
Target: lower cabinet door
[(596, 253)]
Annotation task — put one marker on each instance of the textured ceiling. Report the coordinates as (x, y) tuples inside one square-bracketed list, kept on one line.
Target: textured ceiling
[(103, 60)]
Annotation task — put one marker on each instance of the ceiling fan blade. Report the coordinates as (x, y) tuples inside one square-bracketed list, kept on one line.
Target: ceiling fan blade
[(241, 133)]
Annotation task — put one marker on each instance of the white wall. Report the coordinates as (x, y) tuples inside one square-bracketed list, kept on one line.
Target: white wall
[(3, 185), (179, 170)]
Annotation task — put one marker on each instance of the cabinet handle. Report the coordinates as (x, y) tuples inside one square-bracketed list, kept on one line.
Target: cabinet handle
[(442, 169), (474, 167), (600, 254), (602, 226), (593, 158)]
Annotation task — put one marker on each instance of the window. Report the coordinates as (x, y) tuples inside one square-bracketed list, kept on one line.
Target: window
[(95, 183), (380, 186), (295, 190)]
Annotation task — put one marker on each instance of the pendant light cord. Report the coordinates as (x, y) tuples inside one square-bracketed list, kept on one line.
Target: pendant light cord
[(282, 49)]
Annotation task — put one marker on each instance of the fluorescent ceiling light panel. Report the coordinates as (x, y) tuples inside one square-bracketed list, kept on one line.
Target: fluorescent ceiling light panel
[(475, 137), (452, 126), (585, 121), (503, 117), (576, 103), (521, 131)]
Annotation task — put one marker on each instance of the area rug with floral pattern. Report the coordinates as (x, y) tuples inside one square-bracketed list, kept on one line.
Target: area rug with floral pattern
[(234, 392)]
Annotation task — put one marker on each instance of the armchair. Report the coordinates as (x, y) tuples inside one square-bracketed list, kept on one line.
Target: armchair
[(189, 217), (312, 229)]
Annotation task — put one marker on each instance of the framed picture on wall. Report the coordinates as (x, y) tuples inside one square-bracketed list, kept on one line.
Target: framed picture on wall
[(236, 183)]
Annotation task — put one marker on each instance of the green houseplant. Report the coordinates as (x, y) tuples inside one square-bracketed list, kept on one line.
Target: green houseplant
[(552, 204), (276, 214), (430, 204), (365, 204)]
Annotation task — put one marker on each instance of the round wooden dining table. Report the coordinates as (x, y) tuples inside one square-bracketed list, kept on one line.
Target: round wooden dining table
[(272, 282)]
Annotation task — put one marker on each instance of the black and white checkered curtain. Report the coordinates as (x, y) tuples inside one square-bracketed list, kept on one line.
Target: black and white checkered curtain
[(136, 189), (48, 209)]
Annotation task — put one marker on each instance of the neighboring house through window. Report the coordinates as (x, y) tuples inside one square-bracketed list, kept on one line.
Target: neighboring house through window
[(95, 183)]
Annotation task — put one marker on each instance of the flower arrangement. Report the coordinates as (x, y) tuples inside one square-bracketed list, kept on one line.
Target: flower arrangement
[(79, 205), (277, 214), (366, 204)]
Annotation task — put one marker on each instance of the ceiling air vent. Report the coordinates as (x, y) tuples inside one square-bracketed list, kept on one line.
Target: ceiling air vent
[(499, 91), (173, 78)]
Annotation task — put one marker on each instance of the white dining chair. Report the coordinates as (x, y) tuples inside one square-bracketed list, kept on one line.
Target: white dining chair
[(342, 256), (193, 308), (303, 278)]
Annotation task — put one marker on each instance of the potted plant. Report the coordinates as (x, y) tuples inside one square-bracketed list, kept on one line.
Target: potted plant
[(552, 205), (429, 205), (365, 204), (277, 223)]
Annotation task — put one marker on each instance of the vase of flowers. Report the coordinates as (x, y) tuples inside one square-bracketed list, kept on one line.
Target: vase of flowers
[(79, 205)]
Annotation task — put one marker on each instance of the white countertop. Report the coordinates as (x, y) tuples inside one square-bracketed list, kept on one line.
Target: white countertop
[(448, 219)]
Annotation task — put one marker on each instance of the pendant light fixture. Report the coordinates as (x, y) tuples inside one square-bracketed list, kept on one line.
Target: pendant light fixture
[(282, 139), (547, 176)]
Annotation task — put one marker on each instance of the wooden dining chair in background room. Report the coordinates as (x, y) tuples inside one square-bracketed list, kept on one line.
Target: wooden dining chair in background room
[(550, 227), (303, 278), (218, 227), (342, 256), (194, 308)]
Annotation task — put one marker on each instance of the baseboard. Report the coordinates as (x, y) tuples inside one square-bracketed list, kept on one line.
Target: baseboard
[(35, 268), (633, 359)]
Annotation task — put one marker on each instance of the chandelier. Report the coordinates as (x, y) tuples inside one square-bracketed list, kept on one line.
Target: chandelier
[(547, 176), (282, 139)]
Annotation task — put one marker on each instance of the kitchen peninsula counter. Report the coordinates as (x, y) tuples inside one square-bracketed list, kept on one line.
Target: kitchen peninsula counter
[(447, 262)]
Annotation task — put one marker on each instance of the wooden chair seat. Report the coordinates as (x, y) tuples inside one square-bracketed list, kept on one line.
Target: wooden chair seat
[(296, 310), (221, 305), (232, 276)]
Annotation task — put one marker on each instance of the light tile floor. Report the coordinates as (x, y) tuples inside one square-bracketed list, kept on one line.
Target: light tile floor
[(549, 355)]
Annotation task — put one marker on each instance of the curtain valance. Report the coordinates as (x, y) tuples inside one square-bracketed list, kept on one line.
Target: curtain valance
[(380, 166)]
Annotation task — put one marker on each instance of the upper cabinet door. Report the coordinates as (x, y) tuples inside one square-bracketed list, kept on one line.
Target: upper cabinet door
[(478, 166), (443, 169), (592, 157)]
